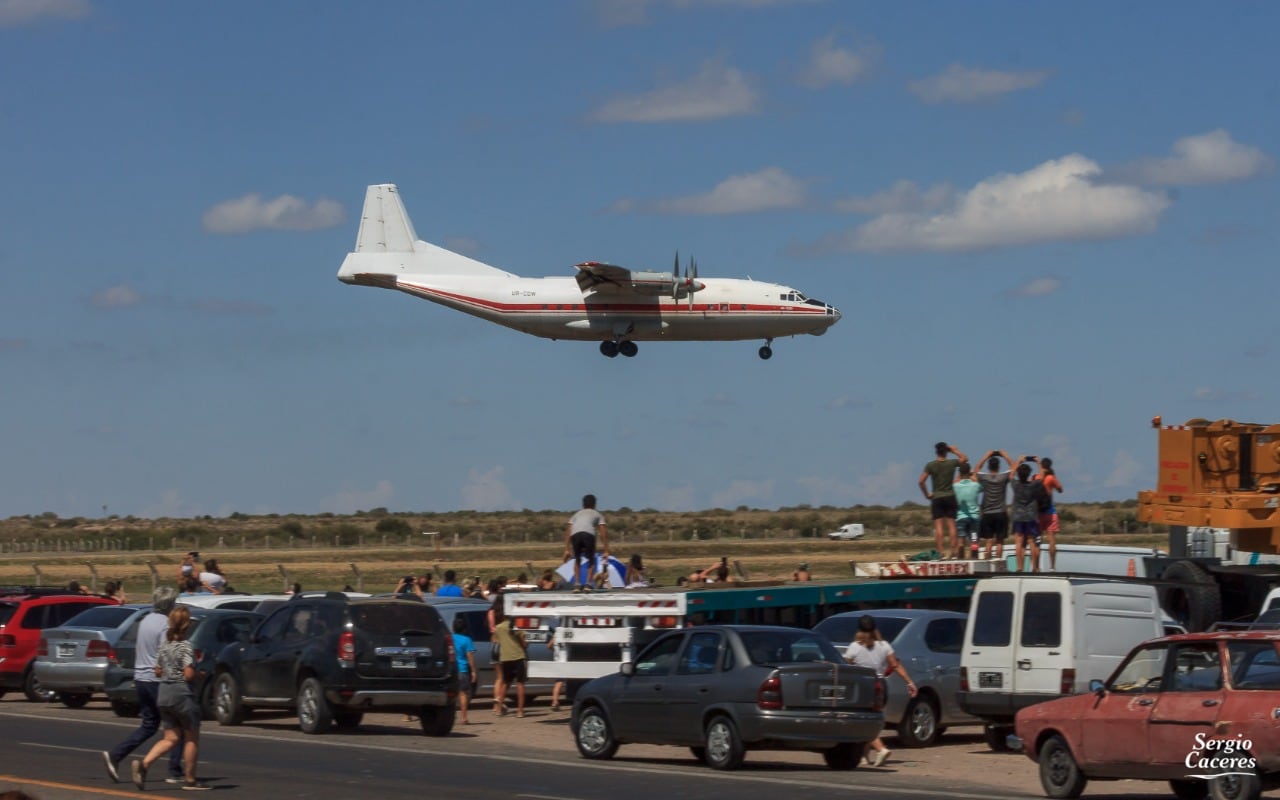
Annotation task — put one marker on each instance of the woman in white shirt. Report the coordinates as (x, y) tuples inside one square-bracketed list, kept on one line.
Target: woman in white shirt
[(869, 649)]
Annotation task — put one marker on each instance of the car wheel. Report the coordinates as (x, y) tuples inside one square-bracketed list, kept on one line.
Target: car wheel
[(919, 725), (724, 746), (227, 705), (314, 714), (346, 718), (74, 699), (437, 720), (34, 691), (997, 737), (594, 737), (1188, 789), (1236, 787), (844, 756), (123, 708), (1060, 775), (207, 710)]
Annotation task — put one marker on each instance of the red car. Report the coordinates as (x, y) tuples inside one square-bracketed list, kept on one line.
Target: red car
[(22, 618), (1200, 710)]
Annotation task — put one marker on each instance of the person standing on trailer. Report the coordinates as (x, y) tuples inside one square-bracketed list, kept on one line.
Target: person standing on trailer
[(1048, 509), (580, 540), (941, 496), (993, 523)]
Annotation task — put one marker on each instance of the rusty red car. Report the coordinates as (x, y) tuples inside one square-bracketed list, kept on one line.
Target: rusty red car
[(1200, 710)]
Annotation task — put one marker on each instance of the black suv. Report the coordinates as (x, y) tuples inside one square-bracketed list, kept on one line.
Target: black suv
[(333, 658)]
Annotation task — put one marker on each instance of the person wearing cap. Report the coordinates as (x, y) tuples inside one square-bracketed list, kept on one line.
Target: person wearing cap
[(869, 649), (802, 573), (941, 494)]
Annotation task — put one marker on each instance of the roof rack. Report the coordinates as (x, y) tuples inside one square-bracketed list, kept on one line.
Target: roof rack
[(318, 594)]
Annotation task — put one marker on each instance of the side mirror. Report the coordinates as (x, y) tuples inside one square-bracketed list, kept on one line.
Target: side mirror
[(1097, 687), (627, 668)]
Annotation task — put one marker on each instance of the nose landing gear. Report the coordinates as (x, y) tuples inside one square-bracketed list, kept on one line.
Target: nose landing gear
[(626, 347)]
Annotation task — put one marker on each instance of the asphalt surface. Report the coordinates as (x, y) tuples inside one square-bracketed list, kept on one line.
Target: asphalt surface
[(53, 753)]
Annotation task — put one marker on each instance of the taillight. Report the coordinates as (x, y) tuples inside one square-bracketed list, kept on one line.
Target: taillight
[(41, 650), (881, 694), (347, 649), (526, 623), (199, 655), (99, 649), (964, 679), (663, 622), (769, 695), (1068, 681)]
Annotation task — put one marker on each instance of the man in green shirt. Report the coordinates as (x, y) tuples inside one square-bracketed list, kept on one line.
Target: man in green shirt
[(941, 471)]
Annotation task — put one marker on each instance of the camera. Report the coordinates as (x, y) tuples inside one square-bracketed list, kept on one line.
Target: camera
[(408, 579), (194, 555), (1032, 458)]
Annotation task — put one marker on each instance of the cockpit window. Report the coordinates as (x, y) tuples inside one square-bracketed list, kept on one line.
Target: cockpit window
[(817, 303)]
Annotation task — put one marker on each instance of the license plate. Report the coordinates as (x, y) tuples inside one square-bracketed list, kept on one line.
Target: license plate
[(990, 680), (404, 663), (66, 650), (831, 692), (536, 637)]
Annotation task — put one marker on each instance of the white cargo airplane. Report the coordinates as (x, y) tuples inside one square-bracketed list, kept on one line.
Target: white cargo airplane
[(609, 304)]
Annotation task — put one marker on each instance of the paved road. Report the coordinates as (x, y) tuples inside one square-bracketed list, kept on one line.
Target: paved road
[(52, 752)]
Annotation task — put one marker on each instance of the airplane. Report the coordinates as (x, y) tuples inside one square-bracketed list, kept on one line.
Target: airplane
[(602, 302)]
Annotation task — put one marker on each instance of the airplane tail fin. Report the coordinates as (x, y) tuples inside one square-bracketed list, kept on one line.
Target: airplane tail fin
[(387, 246)]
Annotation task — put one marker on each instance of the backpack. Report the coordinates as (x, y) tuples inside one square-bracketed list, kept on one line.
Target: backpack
[(1044, 501)]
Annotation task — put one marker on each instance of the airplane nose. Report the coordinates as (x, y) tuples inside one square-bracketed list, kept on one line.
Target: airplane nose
[(834, 313)]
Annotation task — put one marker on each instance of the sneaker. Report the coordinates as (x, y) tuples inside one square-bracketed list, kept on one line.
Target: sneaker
[(111, 767), (882, 757), (174, 780), (196, 786), (139, 773)]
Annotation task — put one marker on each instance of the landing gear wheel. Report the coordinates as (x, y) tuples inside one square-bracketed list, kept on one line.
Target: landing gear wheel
[(1060, 775), (628, 348), (766, 352), (609, 349)]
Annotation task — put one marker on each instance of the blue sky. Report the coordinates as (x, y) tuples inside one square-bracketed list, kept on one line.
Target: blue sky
[(1043, 224)]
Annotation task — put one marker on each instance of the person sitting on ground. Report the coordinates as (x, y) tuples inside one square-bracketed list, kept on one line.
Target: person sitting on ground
[(636, 577), (716, 573)]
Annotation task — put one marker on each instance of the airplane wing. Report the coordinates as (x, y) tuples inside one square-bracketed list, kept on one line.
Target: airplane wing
[(598, 277)]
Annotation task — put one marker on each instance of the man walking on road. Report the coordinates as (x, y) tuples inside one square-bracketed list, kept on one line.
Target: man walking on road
[(580, 540), (942, 497), (151, 634)]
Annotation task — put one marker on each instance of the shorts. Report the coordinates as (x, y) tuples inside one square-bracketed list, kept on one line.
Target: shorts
[(967, 526), (466, 685), (944, 507), (994, 525), (583, 544), (515, 671), (1049, 522), (1029, 531), (183, 715)]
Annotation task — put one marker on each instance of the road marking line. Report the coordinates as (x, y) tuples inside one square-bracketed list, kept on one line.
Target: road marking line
[(79, 787)]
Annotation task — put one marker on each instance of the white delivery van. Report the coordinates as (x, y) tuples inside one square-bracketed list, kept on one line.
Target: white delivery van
[(1032, 638), (851, 530)]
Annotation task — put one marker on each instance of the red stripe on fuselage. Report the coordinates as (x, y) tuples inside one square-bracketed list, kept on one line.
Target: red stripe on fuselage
[(657, 308)]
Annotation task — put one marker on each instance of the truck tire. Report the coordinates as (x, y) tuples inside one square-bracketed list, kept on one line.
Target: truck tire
[(1193, 599)]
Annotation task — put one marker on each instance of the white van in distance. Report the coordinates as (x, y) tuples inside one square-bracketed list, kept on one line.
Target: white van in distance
[(852, 530), (1030, 639)]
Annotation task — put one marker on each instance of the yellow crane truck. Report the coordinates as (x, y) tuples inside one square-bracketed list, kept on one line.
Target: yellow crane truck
[(1221, 474)]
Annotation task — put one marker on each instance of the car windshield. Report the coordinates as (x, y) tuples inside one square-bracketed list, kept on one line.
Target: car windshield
[(772, 647), (842, 629), (102, 618)]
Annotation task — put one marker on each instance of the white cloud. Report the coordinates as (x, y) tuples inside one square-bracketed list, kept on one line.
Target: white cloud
[(1125, 471), (739, 493), (678, 498), (1212, 157), (1055, 201), (466, 401), (768, 189), (716, 92), (16, 13), (120, 296), (720, 399), (283, 213), (889, 486), (214, 305), (902, 197), (1214, 394), (172, 505), (960, 84), (829, 64), (487, 491), (349, 501), (1037, 287), (12, 345), (848, 401), (621, 13)]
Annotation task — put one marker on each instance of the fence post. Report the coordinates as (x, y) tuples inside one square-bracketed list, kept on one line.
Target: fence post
[(93, 581), (39, 575), (359, 578), (155, 576), (284, 573)]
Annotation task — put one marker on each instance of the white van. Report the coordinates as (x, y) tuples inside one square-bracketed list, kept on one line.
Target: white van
[(851, 530), (1032, 638)]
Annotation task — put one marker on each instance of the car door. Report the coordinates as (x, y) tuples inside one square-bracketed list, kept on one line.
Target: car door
[(639, 709), (940, 662), (697, 683), (1043, 647), (1189, 704), (255, 658), (1113, 733)]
